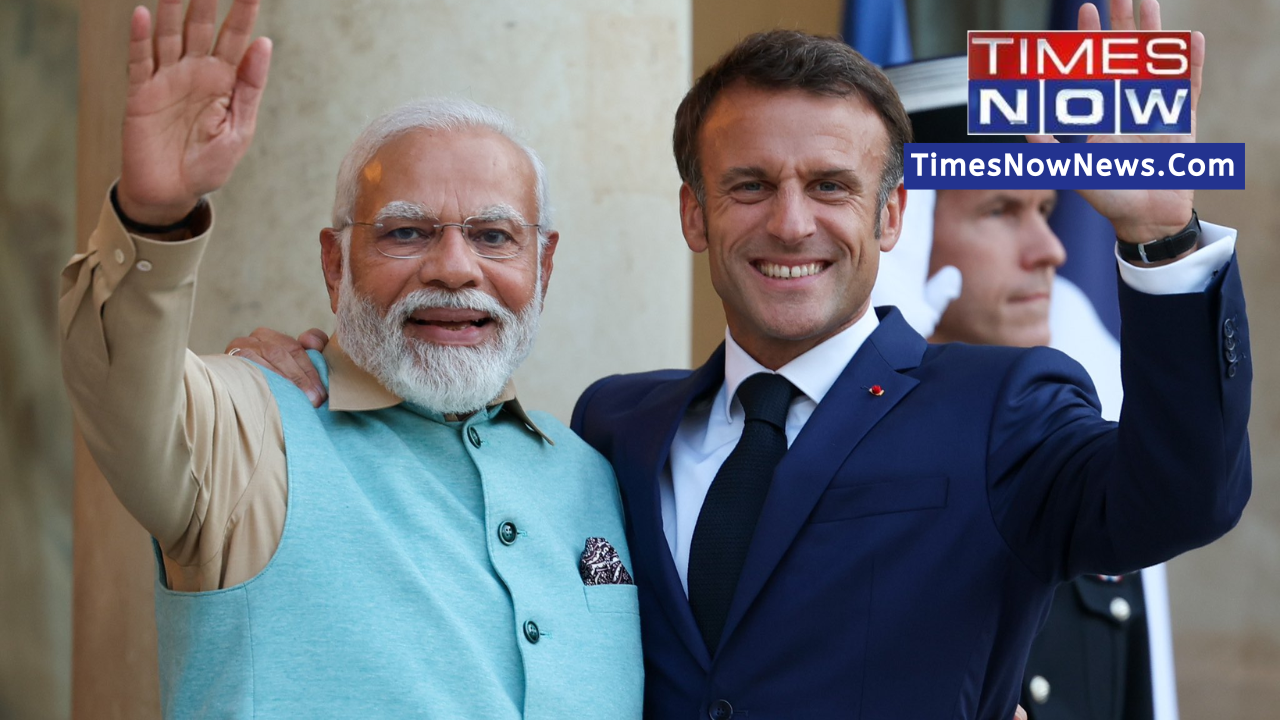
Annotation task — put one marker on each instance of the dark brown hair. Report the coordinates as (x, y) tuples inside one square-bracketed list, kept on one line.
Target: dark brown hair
[(783, 60)]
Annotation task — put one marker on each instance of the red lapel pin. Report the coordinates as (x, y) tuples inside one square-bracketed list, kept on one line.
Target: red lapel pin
[(876, 390)]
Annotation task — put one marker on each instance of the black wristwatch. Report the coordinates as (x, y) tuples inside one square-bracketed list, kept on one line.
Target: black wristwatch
[(1165, 248)]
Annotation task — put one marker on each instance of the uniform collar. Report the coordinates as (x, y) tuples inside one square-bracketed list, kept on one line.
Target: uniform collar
[(352, 389)]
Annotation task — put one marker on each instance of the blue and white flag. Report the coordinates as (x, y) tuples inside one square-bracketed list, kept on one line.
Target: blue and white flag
[(878, 29)]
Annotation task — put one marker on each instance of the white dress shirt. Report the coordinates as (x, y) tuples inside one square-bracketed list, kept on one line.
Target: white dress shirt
[(709, 432)]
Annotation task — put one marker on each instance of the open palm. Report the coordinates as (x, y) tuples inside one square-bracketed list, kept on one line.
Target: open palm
[(192, 106), (1142, 215)]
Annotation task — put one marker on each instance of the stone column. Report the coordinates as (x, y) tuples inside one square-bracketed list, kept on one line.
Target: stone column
[(594, 85)]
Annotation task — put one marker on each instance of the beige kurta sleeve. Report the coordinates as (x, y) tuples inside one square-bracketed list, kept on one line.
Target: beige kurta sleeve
[(193, 447)]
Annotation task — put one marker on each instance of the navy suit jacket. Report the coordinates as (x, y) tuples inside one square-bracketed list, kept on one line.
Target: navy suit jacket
[(910, 542)]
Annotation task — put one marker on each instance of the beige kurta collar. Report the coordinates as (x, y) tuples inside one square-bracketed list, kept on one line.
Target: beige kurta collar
[(351, 389)]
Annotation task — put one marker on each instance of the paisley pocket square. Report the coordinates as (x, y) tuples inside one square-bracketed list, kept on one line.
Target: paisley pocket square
[(600, 564)]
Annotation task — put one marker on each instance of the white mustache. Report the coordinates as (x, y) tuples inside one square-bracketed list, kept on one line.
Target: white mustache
[(432, 298)]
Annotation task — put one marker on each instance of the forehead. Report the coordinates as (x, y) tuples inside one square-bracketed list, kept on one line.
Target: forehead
[(790, 129), (450, 172)]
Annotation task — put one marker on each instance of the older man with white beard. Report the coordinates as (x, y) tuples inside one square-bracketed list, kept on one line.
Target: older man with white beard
[(419, 545)]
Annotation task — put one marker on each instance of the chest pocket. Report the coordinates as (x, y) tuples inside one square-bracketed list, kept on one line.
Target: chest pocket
[(612, 599), (849, 502)]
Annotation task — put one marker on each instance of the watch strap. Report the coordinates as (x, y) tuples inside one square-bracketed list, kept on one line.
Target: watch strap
[(1165, 248)]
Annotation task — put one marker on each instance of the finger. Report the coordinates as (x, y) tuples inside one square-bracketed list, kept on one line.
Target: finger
[(141, 61), (1041, 139), (1122, 15), (317, 391), (240, 343), (202, 16), (251, 80), (286, 354), (286, 365), (237, 31), (168, 40), (1149, 15), (1087, 18), (314, 339), (1197, 71), (251, 355), (1020, 714)]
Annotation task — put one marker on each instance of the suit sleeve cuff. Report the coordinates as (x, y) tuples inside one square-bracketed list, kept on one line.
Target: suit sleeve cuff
[(1192, 273)]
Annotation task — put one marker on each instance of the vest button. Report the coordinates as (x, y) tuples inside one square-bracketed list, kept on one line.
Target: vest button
[(474, 436), (507, 533), (1039, 688), (720, 710), (531, 632)]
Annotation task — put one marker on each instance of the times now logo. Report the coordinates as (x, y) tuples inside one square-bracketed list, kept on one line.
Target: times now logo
[(1079, 83)]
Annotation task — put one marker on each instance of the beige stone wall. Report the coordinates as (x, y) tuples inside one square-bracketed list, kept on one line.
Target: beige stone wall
[(593, 84), (37, 232)]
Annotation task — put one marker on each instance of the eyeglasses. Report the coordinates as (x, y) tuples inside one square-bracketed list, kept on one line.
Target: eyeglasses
[(492, 239)]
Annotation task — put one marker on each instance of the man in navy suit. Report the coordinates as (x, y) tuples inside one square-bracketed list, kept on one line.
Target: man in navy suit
[(885, 540), (930, 496)]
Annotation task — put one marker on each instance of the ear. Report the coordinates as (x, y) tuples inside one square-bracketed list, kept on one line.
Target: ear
[(693, 220), (891, 217), (548, 255), (331, 263)]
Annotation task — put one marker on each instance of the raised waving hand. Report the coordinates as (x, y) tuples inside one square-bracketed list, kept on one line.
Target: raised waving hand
[(1142, 215), (193, 101)]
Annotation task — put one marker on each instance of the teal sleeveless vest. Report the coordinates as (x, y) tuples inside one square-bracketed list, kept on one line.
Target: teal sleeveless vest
[(400, 588)]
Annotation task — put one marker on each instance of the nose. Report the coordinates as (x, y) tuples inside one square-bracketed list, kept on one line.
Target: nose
[(791, 219), (451, 264), (1041, 247)]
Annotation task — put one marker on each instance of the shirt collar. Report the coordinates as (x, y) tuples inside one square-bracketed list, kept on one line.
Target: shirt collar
[(352, 389), (813, 373)]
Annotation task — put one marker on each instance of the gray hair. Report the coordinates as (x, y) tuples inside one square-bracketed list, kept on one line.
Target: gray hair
[(430, 114)]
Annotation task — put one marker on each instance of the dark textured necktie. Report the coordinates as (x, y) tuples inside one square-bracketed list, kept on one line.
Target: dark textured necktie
[(732, 507)]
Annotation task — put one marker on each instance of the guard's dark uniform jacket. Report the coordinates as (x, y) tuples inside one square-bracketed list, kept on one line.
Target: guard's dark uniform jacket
[(1092, 659)]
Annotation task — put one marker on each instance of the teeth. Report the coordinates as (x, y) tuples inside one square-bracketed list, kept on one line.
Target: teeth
[(787, 272)]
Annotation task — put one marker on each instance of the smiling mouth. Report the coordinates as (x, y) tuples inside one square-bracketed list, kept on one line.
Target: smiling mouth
[(789, 272), (449, 319), (449, 325)]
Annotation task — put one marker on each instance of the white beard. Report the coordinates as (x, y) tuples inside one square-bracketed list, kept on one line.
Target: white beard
[(447, 379)]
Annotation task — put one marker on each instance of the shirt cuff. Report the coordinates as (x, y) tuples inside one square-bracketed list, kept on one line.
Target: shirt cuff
[(1190, 274), (113, 253)]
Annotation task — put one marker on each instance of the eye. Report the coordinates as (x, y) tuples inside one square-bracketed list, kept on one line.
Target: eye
[(492, 238), (751, 186), (828, 186), (405, 234)]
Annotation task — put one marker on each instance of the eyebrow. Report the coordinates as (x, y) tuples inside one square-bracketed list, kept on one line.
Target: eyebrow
[(403, 210), (753, 172), (501, 211)]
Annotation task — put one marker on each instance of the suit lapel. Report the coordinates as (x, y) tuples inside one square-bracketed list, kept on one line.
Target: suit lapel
[(839, 423), (656, 421)]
